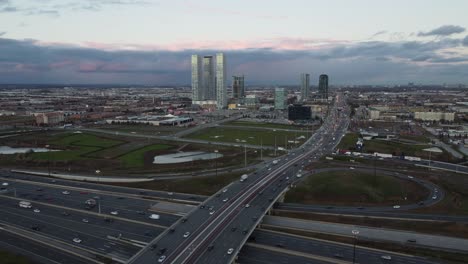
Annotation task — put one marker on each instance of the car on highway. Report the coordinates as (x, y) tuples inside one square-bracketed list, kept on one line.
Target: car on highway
[(36, 228), (65, 192), (114, 212), (225, 190), (187, 234), (161, 258), (351, 168), (386, 257), (154, 216), (76, 240), (229, 252), (434, 197), (36, 210), (225, 200), (247, 205), (170, 193), (396, 207), (84, 220), (5, 184)]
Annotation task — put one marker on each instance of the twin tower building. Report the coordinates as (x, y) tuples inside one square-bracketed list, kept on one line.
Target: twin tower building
[(209, 79)]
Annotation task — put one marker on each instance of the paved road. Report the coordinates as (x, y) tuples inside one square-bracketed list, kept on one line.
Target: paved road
[(381, 234), (232, 221), (327, 249)]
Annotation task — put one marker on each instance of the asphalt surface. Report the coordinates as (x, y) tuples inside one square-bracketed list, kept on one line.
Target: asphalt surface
[(328, 249), (370, 233), (229, 226), (189, 198)]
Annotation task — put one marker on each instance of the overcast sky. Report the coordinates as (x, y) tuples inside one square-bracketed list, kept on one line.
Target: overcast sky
[(271, 42)]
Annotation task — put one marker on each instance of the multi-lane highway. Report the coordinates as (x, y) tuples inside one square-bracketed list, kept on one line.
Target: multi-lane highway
[(218, 228)]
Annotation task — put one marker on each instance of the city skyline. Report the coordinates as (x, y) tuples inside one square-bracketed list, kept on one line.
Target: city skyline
[(81, 42)]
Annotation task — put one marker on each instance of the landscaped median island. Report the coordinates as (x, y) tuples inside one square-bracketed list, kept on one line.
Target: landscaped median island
[(245, 135), (355, 188)]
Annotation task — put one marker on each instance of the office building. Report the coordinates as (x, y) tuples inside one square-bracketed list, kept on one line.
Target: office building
[(323, 86), (238, 90), (305, 85), (221, 93), (280, 99), (299, 112), (197, 79), (209, 89)]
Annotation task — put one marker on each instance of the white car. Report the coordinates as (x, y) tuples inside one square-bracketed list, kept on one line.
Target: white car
[(37, 210), (77, 240), (230, 251), (212, 212), (410, 177), (299, 175), (161, 258), (84, 220), (386, 257), (225, 200), (351, 168), (114, 213), (225, 190), (154, 216), (247, 205), (187, 234), (434, 197), (396, 206), (5, 184), (66, 192), (170, 193)]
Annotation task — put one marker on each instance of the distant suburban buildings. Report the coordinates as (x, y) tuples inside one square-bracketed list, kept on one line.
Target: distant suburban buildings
[(434, 116), (323, 86), (299, 112), (305, 86), (280, 99), (49, 118), (209, 80), (238, 89)]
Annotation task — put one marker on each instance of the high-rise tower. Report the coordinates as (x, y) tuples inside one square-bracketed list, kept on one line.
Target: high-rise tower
[(221, 97), (323, 86), (280, 99), (305, 85), (238, 90), (197, 78), (209, 89)]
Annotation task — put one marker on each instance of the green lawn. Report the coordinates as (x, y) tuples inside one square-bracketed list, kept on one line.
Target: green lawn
[(264, 125), (76, 145), (350, 188), (255, 137), (12, 258), (135, 158)]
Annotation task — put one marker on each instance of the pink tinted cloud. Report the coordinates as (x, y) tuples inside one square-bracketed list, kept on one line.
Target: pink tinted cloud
[(271, 43)]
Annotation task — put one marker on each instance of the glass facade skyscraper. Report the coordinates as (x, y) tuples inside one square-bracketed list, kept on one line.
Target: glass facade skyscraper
[(197, 79), (209, 92), (280, 99), (305, 85), (323, 86), (238, 89), (221, 97)]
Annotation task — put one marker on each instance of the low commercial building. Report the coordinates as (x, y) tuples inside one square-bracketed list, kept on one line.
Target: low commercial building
[(49, 118), (434, 116), (299, 112)]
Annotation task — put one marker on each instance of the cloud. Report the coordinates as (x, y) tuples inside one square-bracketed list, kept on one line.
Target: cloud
[(276, 62), (465, 41), (379, 33), (2, 33), (445, 30)]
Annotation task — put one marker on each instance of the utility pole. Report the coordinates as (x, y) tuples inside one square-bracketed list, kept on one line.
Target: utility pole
[(355, 233), (275, 145), (261, 149), (245, 155), (216, 162), (48, 159)]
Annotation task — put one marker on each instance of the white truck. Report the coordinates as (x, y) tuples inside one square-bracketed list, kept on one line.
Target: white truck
[(25, 204), (244, 177)]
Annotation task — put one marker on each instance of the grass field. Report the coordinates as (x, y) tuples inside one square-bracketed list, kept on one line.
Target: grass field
[(354, 188), (255, 137), (263, 125), (201, 185), (143, 129), (11, 258), (136, 157), (383, 146), (75, 146)]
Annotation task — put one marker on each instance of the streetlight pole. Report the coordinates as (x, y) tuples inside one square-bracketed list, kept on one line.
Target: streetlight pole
[(216, 162), (355, 233), (245, 155), (48, 159), (261, 149)]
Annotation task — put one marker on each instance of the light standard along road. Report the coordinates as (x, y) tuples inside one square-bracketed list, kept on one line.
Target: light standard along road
[(355, 233)]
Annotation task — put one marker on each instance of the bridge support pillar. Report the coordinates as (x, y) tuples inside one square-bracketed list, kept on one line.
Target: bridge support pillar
[(281, 198)]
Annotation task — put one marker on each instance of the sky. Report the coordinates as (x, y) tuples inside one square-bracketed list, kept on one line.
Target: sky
[(269, 41)]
